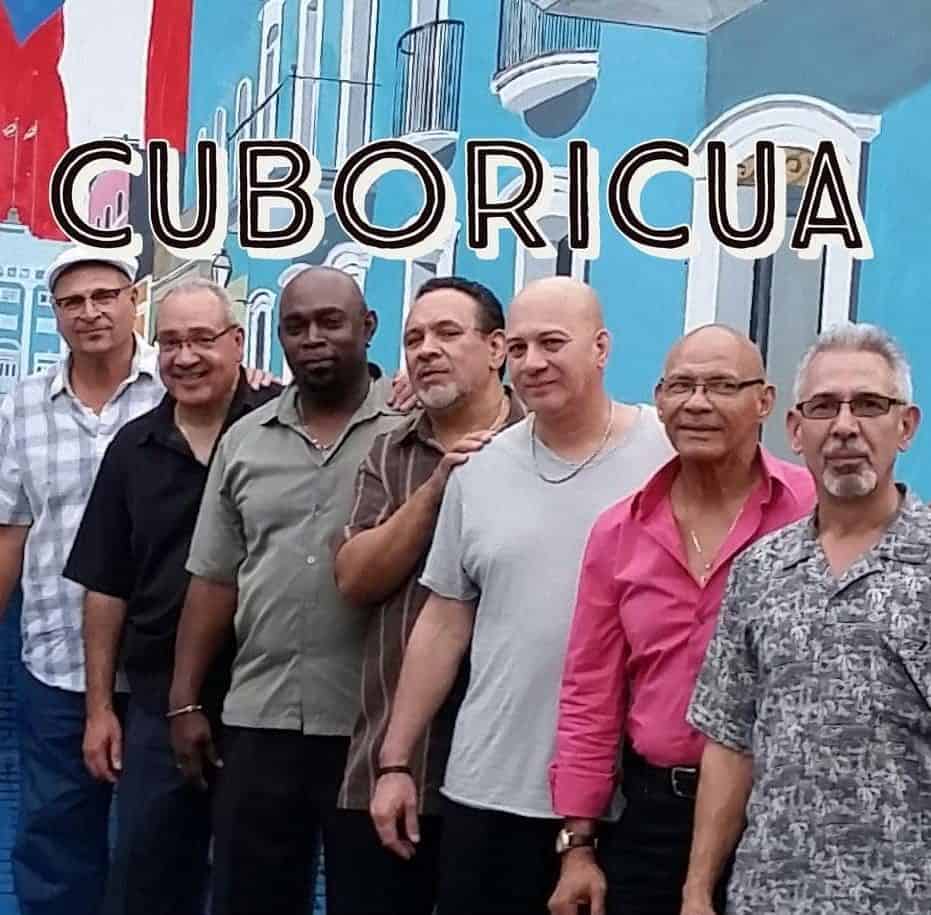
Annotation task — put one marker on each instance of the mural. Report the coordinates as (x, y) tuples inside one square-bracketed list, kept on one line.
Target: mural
[(335, 74)]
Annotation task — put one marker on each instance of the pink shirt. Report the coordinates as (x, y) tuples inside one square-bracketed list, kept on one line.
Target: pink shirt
[(641, 626)]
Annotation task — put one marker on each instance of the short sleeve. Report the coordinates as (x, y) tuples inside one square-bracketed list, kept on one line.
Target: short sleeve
[(218, 546), (101, 557), (372, 504), (723, 705), (14, 506), (444, 573)]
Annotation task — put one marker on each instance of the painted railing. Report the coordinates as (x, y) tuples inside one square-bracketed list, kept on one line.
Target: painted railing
[(526, 32), (429, 71)]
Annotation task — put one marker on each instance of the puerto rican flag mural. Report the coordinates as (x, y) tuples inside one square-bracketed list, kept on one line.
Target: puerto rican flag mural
[(78, 70)]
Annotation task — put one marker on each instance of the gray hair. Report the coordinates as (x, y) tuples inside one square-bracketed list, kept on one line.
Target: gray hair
[(200, 284), (861, 338)]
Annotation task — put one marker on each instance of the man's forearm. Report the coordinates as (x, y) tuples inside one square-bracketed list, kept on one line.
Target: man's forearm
[(206, 621), (438, 641), (720, 809), (373, 564), (12, 547), (104, 617)]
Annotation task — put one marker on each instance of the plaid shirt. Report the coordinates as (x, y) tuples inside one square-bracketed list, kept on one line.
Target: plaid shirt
[(50, 448)]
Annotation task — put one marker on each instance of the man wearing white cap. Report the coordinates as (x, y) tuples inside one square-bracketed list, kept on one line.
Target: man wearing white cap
[(54, 429)]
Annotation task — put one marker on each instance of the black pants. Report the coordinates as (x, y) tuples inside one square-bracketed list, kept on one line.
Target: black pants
[(376, 881), (495, 863), (645, 857), (276, 794), (160, 864)]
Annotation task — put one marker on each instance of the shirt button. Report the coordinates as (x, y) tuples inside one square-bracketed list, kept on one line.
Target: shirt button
[(311, 560)]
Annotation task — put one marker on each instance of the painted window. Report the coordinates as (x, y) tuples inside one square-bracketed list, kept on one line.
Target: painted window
[(41, 361), (11, 295), (219, 127), (269, 66), (357, 70), (259, 330), (9, 366), (307, 89), (783, 301)]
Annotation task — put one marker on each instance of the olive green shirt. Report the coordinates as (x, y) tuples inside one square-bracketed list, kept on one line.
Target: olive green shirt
[(273, 512)]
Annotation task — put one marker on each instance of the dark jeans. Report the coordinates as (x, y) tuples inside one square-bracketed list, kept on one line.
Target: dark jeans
[(376, 881), (494, 863), (60, 857), (645, 856), (277, 790), (160, 865)]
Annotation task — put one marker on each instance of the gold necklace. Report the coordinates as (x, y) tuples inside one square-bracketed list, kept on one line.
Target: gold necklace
[(580, 467)]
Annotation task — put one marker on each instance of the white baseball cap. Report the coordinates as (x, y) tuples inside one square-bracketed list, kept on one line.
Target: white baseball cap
[(70, 257)]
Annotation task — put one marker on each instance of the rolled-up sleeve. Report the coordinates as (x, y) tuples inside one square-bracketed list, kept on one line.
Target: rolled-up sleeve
[(723, 705), (593, 694), (14, 506), (218, 546)]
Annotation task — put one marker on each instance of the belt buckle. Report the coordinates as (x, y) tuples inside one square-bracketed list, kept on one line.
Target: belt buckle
[(680, 771)]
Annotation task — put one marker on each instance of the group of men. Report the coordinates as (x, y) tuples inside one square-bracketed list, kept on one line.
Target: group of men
[(520, 647)]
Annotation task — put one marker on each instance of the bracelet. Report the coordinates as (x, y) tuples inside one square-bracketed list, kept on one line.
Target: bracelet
[(389, 770), (184, 710)]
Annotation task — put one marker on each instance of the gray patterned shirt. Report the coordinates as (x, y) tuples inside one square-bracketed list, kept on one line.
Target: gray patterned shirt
[(827, 683), (50, 448)]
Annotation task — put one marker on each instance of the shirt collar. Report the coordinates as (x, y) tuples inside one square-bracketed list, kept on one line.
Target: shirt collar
[(144, 362), (374, 404), (163, 416), (906, 539), (657, 487)]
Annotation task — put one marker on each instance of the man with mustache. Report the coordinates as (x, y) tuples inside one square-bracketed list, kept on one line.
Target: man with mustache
[(277, 499), (454, 349), (651, 584), (815, 694), (129, 554), (502, 571)]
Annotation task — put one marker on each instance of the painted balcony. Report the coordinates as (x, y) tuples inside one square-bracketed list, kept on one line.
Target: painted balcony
[(427, 84), (681, 15), (542, 57)]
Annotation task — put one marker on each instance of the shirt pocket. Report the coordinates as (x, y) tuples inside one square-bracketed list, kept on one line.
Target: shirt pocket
[(905, 671)]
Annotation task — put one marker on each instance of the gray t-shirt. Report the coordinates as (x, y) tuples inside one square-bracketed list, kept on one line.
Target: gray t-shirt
[(515, 543)]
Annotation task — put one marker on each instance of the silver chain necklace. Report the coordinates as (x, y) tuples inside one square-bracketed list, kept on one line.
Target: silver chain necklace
[(580, 467)]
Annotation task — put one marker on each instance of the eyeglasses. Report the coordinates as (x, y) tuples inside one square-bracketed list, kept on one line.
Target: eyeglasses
[(862, 405), (99, 298), (716, 387), (198, 342)]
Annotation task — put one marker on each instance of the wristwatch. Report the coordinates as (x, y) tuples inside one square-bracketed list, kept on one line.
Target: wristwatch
[(566, 840)]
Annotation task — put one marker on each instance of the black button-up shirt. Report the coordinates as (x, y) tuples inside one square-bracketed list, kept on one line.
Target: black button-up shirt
[(135, 535)]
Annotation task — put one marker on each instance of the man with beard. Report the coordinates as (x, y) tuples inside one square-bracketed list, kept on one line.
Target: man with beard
[(129, 554), (650, 588), (454, 349), (277, 498), (502, 570), (816, 690)]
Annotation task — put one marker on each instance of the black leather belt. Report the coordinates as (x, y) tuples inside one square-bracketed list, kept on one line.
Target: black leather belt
[(677, 781)]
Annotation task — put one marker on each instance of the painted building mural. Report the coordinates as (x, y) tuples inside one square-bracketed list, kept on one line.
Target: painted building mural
[(335, 74)]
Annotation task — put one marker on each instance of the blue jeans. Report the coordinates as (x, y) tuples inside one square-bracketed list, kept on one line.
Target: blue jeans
[(160, 863), (60, 856)]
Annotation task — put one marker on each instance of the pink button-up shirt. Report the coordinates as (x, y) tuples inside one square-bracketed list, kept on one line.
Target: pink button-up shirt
[(641, 627)]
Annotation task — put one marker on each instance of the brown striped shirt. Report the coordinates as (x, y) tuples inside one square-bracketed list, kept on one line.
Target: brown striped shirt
[(399, 462)]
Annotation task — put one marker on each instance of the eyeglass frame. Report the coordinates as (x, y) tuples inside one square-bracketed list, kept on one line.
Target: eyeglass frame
[(76, 309), (205, 342), (695, 385), (838, 403)]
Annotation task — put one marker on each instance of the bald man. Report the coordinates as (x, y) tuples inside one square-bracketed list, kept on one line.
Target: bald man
[(652, 581), (277, 499), (502, 573)]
